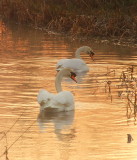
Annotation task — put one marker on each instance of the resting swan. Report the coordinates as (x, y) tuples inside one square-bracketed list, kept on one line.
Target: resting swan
[(77, 64), (63, 101)]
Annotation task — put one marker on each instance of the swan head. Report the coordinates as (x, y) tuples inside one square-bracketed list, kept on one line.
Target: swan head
[(73, 76), (91, 54), (67, 72), (87, 50)]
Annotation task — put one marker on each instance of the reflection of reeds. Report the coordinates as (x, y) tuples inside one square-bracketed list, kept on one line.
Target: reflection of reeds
[(108, 89), (5, 134), (121, 83), (128, 87), (131, 105), (6, 146), (9, 147)]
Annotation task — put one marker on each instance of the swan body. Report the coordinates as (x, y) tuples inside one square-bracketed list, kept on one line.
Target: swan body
[(77, 64), (63, 100)]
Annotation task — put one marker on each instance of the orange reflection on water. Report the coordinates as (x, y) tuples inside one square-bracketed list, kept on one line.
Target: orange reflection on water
[(96, 130)]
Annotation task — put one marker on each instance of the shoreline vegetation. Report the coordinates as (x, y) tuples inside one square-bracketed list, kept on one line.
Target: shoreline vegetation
[(114, 20)]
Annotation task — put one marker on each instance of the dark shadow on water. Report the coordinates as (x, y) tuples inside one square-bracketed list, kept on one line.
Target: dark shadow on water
[(129, 138)]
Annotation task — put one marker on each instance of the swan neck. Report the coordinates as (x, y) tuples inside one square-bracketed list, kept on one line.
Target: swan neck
[(77, 54), (58, 82)]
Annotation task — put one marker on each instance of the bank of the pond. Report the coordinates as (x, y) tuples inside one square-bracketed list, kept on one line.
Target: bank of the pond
[(114, 20)]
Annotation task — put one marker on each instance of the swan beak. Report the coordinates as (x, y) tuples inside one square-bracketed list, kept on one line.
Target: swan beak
[(73, 78)]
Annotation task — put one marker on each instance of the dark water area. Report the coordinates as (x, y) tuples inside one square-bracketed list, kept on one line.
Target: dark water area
[(105, 99)]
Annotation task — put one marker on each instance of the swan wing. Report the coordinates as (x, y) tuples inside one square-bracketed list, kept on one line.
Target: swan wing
[(77, 65), (43, 96), (60, 64), (64, 101)]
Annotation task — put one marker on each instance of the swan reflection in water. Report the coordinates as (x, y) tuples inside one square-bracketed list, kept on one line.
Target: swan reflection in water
[(61, 121)]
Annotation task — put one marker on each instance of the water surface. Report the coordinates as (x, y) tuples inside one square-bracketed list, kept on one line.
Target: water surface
[(103, 115)]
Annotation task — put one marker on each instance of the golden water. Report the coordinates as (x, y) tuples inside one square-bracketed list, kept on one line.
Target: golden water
[(96, 130)]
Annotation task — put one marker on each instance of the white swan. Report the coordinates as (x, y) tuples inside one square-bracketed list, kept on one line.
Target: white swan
[(63, 101), (77, 64)]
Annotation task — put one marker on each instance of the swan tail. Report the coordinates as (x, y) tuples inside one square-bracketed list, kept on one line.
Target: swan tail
[(43, 97)]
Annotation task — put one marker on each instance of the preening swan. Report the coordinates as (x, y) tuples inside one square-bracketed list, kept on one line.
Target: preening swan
[(63, 101), (77, 64)]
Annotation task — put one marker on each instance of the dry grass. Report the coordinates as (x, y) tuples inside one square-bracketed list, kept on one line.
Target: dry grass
[(84, 17), (126, 89), (129, 84), (119, 84)]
